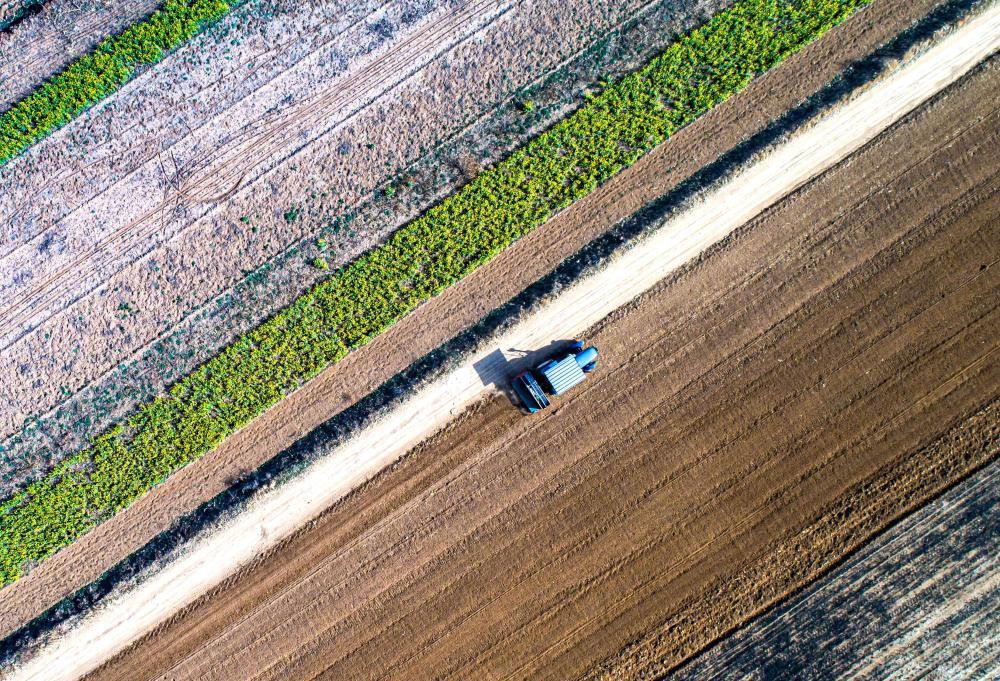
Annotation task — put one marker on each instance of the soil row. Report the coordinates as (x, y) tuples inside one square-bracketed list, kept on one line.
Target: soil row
[(921, 598)]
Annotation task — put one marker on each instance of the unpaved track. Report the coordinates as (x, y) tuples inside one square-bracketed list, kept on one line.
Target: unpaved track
[(923, 599), (448, 314), (808, 371), (44, 43), (273, 516)]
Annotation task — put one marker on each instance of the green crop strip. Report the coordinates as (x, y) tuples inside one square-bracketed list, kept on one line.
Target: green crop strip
[(609, 132), (110, 65)]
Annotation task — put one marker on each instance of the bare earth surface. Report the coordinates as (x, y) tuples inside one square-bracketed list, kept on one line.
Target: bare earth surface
[(922, 600), (45, 42), (442, 318), (824, 370), (447, 315)]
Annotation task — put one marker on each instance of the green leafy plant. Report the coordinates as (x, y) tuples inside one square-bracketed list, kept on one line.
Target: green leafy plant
[(110, 65), (357, 302)]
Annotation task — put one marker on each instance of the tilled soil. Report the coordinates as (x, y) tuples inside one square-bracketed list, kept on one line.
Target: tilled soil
[(815, 376), (922, 600), (443, 317)]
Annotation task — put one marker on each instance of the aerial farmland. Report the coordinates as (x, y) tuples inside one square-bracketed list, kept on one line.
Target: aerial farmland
[(499, 339)]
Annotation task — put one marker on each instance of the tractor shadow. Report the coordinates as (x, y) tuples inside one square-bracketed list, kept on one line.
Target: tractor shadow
[(500, 366)]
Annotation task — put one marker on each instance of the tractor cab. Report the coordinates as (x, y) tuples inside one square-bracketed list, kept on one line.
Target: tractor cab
[(554, 376)]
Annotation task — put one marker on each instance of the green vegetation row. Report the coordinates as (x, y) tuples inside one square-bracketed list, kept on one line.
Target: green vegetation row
[(357, 302), (110, 65)]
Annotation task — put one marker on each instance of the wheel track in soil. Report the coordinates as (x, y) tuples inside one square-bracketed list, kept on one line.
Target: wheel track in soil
[(99, 146), (224, 174)]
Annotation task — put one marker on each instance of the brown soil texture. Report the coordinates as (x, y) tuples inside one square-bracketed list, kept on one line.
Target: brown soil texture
[(755, 418), (923, 599), (456, 309), (60, 31)]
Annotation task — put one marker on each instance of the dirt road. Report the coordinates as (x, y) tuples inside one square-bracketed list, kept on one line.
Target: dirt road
[(922, 600), (729, 382)]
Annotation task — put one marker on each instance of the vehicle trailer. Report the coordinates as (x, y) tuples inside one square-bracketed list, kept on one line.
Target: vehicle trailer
[(554, 376)]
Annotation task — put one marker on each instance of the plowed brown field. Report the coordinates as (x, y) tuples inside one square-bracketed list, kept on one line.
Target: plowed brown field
[(920, 601), (828, 367)]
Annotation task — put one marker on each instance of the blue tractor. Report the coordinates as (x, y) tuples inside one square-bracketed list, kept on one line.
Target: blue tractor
[(554, 376)]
